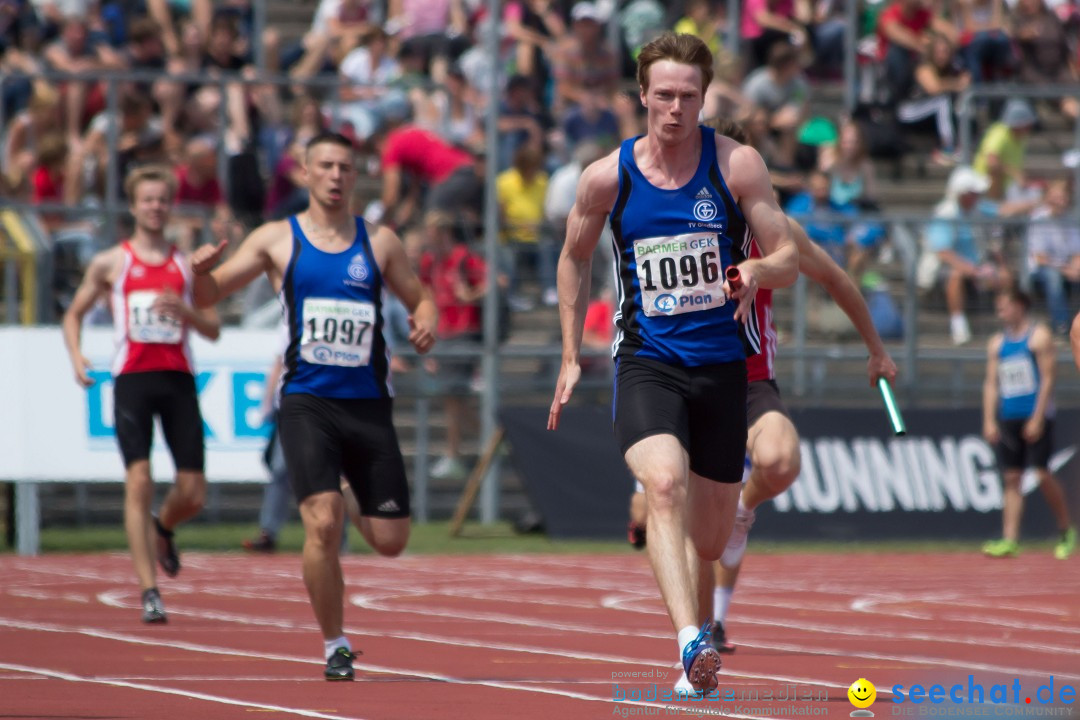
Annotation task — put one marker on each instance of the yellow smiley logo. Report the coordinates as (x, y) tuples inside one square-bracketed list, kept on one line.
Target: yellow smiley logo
[(862, 693)]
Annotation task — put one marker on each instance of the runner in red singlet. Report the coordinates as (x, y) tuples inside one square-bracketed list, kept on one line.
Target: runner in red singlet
[(150, 288)]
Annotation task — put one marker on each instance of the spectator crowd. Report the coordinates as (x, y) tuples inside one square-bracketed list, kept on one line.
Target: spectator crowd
[(230, 106)]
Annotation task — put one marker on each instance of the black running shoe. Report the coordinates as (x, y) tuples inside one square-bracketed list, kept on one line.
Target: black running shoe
[(152, 609), (719, 640), (167, 556), (265, 543), (635, 534), (339, 666)]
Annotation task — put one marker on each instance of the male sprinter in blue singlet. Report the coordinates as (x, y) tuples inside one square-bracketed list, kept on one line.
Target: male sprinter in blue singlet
[(683, 204), (336, 402), (1018, 419)]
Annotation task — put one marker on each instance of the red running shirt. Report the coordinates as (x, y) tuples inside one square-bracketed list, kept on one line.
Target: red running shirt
[(147, 341), (760, 366)]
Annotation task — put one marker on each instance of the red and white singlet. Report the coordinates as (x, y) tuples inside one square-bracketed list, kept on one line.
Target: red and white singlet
[(148, 341), (760, 366)]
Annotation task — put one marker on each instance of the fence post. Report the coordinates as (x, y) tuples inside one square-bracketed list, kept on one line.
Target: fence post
[(11, 287), (851, 41), (112, 168), (423, 442), (489, 402), (799, 330), (963, 115), (222, 148), (258, 11), (734, 18), (27, 518)]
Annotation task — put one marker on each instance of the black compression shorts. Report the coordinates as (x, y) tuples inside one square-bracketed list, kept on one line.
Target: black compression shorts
[(169, 394), (325, 438), (1016, 453), (763, 396), (703, 407)]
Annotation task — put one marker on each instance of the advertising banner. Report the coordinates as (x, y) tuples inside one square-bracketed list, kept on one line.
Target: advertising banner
[(857, 480), (51, 429)]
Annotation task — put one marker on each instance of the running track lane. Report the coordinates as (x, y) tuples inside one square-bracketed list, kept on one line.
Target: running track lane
[(517, 636)]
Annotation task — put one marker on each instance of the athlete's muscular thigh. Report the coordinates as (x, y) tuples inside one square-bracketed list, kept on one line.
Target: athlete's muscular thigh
[(660, 464), (773, 446)]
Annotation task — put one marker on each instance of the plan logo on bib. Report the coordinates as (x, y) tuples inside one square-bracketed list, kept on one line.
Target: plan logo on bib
[(666, 303)]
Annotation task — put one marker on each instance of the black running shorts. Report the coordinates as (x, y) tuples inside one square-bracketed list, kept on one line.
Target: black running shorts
[(703, 407), (169, 394), (1016, 453), (325, 438), (763, 396)]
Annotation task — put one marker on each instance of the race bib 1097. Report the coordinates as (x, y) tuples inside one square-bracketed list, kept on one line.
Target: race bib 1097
[(337, 332), (679, 274)]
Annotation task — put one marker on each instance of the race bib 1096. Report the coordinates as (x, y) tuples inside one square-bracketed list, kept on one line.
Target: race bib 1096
[(679, 274), (337, 332), (146, 325)]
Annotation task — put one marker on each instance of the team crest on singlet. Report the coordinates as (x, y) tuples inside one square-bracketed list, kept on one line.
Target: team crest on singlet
[(358, 268), (704, 207)]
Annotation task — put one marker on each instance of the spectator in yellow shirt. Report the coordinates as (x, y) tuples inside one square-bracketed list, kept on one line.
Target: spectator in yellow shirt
[(521, 190), (1001, 152), (701, 20)]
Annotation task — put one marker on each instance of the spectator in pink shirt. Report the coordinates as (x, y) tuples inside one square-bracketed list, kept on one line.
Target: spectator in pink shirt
[(766, 22)]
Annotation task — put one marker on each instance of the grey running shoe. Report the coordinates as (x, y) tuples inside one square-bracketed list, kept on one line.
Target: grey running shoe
[(152, 610)]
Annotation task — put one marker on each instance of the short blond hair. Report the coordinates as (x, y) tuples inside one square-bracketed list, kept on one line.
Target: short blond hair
[(677, 47), (149, 173)]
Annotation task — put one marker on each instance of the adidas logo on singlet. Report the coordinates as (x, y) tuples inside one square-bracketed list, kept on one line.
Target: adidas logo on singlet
[(703, 193)]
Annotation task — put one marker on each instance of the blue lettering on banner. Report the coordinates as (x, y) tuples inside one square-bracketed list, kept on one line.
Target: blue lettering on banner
[(200, 384), (97, 425), (245, 395)]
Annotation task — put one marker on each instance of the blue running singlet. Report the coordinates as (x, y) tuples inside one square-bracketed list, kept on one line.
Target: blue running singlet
[(333, 307), (1018, 378), (672, 248)]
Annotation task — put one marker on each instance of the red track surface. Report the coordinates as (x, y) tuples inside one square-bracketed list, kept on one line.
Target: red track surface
[(545, 637)]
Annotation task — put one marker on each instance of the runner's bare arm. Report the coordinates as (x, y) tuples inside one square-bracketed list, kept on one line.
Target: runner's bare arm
[(1042, 346), (251, 259), (206, 322), (596, 194), (94, 284), (1074, 339), (816, 264), (990, 390), (751, 185), (403, 282)]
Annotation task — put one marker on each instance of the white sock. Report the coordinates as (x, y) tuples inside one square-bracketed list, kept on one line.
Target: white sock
[(721, 600), (329, 646), (686, 636)]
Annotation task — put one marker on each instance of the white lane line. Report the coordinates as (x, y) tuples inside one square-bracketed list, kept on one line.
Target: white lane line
[(214, 650), (114, 598), (56, 674), (804, 649)]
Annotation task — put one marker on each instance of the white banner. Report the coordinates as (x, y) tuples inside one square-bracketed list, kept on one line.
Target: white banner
[(51, 429)]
